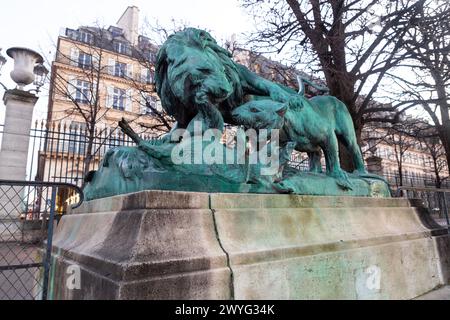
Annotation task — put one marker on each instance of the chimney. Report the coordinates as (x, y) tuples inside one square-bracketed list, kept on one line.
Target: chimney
[(129, 23)]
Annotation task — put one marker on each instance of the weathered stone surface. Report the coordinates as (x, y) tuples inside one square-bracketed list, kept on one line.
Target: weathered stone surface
[(241, 246), (442, 293), (172, 253)]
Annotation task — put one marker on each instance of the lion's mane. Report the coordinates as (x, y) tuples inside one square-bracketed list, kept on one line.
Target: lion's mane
[(182, 108)]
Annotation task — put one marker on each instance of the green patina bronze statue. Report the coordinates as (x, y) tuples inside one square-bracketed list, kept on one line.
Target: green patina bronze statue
[(198, 80), (202, 88), (313, 125)]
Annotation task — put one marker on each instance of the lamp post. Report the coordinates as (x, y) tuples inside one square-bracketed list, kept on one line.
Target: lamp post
[(41, 73), (2, 63), (2, 60), (19, 102)]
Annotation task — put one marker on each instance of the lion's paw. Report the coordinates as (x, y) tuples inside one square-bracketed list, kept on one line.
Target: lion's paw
[(342, 180), (282, 188)]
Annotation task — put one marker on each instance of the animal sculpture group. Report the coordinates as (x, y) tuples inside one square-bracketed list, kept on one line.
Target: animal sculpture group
[(198, 82)]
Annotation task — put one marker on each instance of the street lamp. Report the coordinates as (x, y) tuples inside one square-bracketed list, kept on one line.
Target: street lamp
[(41, 73), (2, 61)]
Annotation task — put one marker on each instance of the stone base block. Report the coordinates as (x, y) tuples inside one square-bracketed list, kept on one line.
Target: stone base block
[(178, 245)]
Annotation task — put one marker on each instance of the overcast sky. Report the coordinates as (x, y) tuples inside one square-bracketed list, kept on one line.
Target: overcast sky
[(36, 24)]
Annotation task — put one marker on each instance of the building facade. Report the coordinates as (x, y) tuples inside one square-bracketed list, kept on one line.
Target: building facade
[(403, 158), (110, 70), (99, 76)]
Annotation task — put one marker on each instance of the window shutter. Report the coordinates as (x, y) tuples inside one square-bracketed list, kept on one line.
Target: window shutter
[(144, 73), (143, 105), (159, 107), (128, 101), (130, 71), (71, 88), (151, 76), (96, 60), (109, 96), (111, 66), (74, 56), (93, 92)]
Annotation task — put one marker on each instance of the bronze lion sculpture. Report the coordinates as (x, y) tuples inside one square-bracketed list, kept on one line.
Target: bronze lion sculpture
[(313, 125), (197, 79)]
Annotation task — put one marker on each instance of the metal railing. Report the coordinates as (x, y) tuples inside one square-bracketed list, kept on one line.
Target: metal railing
[(414, 181), (436, 200), (58, 152), (28, 212)]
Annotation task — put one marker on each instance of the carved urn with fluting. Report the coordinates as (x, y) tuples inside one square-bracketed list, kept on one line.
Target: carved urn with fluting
[(25, 61)]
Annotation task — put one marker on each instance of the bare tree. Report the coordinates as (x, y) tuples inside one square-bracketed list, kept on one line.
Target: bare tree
[(352, 44), (81, 88), (436, 152), (80, 76), (427, 46), (145, 87), (399, 138)]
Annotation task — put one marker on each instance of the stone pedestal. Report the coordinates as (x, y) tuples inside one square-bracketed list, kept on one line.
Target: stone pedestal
[(13, 158), (177, 245), (375, 165), (16, 135)]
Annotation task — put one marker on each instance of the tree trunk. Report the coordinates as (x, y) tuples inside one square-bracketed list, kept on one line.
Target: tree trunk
[(444, 135), (89, 156), (438, 181), (400, 175), (344, 156)]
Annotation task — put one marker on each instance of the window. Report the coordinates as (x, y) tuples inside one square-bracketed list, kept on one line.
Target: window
[(149, 104), (152, 57), (115, 31), (82, 91), (120, 70), (72, 34), (121, 47), (84, 60), (147, 76), (85, 37), (119, 99)]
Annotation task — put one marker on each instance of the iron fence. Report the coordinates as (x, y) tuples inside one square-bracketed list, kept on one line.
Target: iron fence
[(414, 181), (28, 212), (434, 199), (59, 152)]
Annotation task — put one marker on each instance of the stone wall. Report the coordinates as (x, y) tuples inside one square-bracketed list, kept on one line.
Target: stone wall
[(177, 245)]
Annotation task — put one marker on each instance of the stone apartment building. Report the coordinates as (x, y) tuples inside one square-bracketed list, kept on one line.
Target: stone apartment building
[(124, 61), (106, 71), (101, 73), (422, 161)]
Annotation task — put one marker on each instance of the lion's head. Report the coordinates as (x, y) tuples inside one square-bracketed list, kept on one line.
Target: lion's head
[(192, 66)]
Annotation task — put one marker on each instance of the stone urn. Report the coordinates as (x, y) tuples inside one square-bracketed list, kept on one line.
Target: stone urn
[(25, 61)]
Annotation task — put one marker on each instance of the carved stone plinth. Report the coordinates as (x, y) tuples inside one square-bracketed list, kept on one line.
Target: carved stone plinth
[(178, 245)]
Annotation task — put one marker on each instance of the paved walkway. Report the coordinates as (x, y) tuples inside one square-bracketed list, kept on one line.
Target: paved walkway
[(19, 284), (439, 294)]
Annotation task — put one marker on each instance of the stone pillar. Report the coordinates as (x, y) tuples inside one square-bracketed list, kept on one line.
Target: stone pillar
[(16, 136), (375, 165), (13, 158)]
